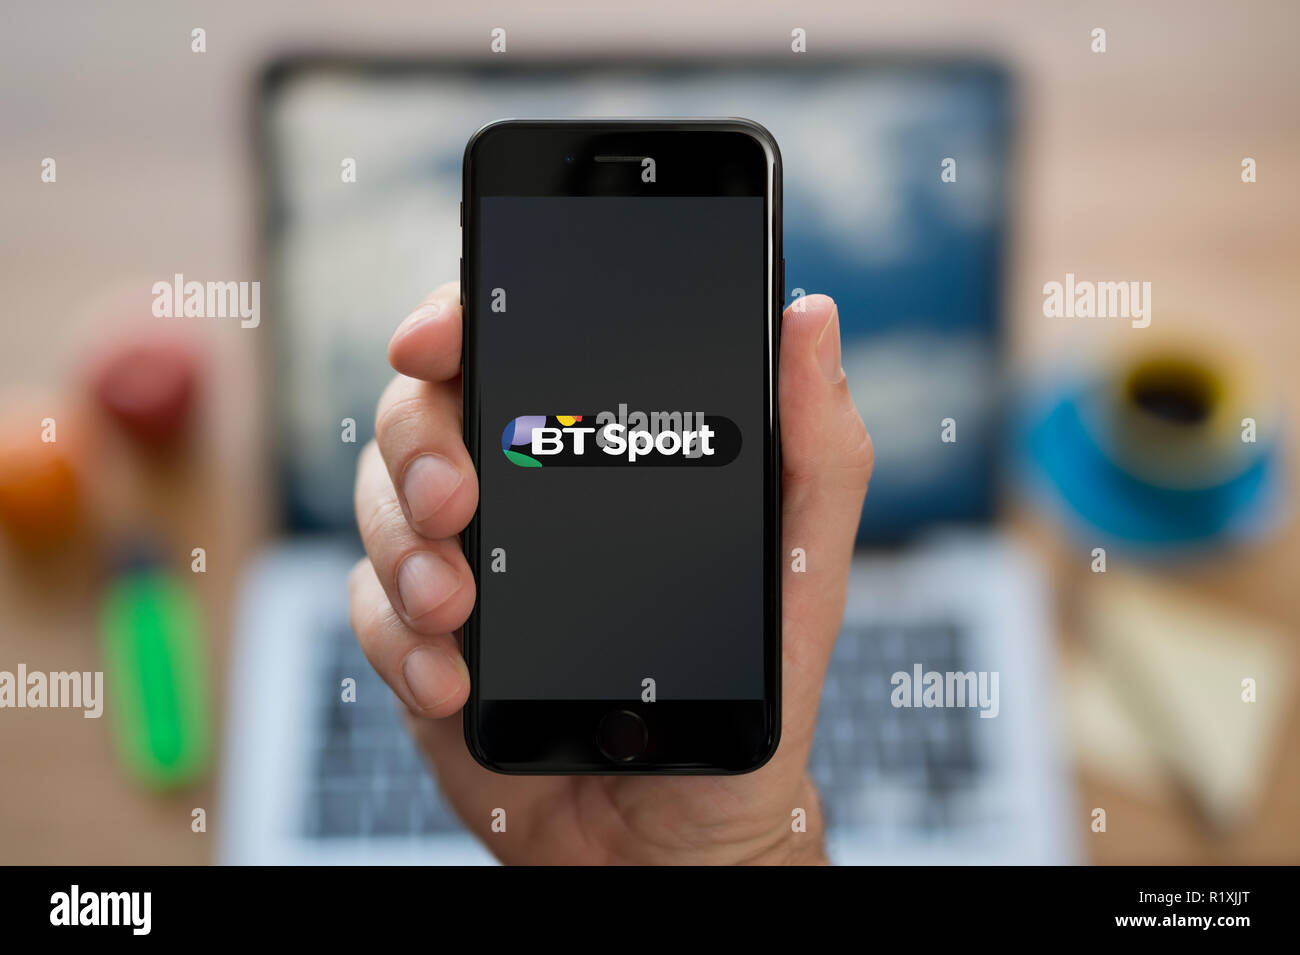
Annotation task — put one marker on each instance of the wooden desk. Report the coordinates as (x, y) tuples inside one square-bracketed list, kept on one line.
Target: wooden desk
[(1129, 169)]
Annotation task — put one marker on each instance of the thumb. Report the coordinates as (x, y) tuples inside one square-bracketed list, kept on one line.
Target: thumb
[(826, 463)]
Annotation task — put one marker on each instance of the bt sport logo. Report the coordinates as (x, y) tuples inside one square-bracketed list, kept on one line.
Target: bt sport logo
[(609, 439)]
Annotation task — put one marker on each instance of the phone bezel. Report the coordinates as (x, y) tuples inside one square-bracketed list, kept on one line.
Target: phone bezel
[(558, 737)]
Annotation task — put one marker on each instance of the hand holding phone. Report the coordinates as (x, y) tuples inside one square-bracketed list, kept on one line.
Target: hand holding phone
[(417, 490), (420, 486)]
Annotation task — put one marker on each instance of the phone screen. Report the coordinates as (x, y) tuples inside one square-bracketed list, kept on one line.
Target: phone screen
[(621, 366)]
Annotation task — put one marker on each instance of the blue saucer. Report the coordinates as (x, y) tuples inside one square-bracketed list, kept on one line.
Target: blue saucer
[(1107, 499)]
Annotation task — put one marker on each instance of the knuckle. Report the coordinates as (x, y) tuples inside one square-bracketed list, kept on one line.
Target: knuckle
[(360, 612), (860, 452), (375, 525), (368, 450), (398, 406)]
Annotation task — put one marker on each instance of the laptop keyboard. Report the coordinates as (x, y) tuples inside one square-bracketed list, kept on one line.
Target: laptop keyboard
[(368, 778), (883, 768), (877, 768)]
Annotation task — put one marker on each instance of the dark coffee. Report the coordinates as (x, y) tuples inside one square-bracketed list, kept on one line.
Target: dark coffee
[(1178, 394)]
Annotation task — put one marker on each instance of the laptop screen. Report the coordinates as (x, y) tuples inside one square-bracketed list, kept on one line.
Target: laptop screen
[(895, 204)]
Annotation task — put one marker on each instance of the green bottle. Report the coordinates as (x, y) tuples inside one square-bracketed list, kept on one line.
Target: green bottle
[(155, 676)]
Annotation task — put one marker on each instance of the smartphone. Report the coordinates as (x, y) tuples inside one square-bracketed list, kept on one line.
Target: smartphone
[(622, 284)]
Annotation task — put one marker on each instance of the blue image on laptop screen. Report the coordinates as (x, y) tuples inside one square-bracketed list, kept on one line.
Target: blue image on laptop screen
[(913, 261)]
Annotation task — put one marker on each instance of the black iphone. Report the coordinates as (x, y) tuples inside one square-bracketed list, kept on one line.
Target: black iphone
[(622, 282)]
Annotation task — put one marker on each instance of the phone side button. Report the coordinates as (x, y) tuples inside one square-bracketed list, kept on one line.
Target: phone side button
[(462, 283), (622, 735)]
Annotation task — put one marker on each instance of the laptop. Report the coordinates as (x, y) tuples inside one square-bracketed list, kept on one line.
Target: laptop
[(873, 217)]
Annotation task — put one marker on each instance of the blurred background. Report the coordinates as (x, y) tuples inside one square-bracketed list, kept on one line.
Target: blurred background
[(1099, 512)]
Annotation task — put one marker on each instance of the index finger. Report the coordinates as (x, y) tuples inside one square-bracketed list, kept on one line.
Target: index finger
[(427, 343)]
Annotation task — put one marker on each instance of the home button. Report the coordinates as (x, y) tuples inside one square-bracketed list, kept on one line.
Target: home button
[(621, 735)]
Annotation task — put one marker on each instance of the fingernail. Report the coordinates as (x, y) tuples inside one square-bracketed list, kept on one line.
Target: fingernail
[(425, 313), (424, 582), (431, 676), (828, 348), (428, 482)]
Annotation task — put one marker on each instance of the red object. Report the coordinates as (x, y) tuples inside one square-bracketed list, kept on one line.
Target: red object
[(148, 388)]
